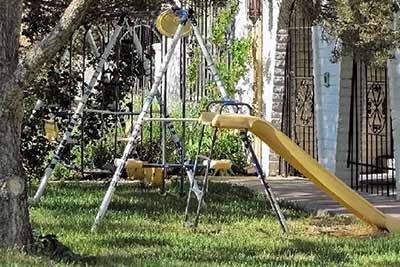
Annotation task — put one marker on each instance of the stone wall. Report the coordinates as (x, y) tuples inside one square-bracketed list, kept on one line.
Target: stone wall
[(276, 16), (278, 92)]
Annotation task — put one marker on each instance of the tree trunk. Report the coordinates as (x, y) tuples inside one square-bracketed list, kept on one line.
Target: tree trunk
[(15, 229)]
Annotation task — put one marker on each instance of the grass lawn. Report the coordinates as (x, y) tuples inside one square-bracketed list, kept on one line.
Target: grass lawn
[(145, 229)]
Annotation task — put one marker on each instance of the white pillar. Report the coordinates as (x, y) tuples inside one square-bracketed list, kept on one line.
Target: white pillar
[(326, 97), (394, 93), (242, 26), (173, 73), (157, 57), (270, 14), (342, 136)]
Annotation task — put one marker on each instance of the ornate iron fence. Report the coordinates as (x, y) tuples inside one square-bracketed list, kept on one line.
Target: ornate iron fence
[(370, 152), (298, 103)]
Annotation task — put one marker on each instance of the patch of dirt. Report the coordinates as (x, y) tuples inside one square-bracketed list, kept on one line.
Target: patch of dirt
[(342, 227)]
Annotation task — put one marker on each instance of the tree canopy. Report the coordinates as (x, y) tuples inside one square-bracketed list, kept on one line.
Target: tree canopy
[(364, 27), (41, 15)]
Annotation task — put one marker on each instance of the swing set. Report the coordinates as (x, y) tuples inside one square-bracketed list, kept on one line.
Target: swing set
[(175, 23)]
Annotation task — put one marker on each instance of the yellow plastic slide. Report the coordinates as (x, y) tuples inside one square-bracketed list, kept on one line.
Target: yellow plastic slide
[(308, 166)]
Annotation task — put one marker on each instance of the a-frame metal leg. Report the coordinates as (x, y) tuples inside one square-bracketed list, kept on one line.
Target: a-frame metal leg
[(217, 79), (267, 189), (136, 130), (77, 114), (203, 189)]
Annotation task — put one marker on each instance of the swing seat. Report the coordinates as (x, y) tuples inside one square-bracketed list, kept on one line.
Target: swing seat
[(207, 117), (154, 175), (51, 130), (134, 164), (220, 165), (134, 169)]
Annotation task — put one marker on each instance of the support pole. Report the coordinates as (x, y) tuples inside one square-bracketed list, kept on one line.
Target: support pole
[(210, 62), (163, 106), (137, 129), (78, 112), (267, 189), (225, 97)]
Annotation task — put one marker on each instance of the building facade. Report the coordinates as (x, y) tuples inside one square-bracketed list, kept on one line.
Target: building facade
[(342, 112)]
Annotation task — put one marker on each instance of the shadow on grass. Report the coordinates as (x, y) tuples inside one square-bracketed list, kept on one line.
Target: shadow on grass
[(156, 240), (321, 251), (298, 253), (224, 202), (124, 241)]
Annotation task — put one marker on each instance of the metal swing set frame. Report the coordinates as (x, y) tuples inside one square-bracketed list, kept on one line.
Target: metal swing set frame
[(185, 18)]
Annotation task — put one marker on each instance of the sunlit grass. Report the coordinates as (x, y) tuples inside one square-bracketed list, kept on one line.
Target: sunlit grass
[(143, 228)]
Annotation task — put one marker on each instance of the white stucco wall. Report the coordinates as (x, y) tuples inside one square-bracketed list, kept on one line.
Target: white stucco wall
[(173, 72), (243, 27), (270, 27), (394, 90), (157, 57), (342, 140), (326, 97)]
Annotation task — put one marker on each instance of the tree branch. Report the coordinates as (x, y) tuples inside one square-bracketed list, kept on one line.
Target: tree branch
[(41, 52)]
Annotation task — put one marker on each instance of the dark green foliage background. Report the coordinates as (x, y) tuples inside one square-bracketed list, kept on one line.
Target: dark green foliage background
[(58, 82)]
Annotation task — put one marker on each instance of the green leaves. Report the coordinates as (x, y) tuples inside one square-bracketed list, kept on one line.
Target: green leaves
[(194, 66), (237, 50), (223, 21), (365, 27)]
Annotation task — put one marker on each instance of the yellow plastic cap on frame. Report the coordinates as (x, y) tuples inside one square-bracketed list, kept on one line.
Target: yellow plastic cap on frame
[(168, 22)]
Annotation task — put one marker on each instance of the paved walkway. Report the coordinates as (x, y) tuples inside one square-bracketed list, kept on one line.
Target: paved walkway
[(306, 195)]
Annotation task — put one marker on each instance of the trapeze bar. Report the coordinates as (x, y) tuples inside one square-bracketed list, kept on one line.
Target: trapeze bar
[(107, 112), (159, 165), (173, 119), (137, 14), (214, 164)]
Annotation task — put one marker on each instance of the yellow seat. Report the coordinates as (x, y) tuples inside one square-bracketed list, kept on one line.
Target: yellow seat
[(207, 117), (167, 24), (220, 165), (134, 169), (155, 176), (51, 130), (133, 163)]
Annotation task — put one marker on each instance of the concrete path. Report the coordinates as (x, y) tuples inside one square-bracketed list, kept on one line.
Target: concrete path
[(306, 195)]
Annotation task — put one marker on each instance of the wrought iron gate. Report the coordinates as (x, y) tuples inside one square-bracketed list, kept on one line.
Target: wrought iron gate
[(370, 153), (298, 102)]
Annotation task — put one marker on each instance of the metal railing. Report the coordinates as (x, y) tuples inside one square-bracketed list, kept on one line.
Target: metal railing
[(370, 151)]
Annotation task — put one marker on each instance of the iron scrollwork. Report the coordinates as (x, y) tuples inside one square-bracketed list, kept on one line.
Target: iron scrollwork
[(305, 103), (376, 109)]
